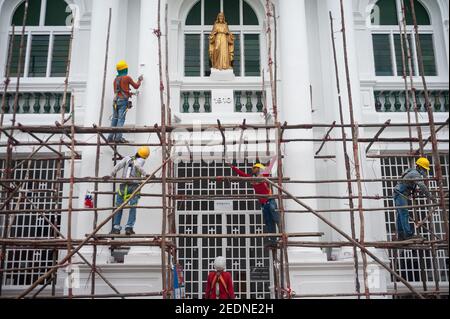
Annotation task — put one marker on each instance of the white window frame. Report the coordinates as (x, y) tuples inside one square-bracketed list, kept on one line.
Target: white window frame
[(25, 228), (240, 30), (42, 29), (394, 30)]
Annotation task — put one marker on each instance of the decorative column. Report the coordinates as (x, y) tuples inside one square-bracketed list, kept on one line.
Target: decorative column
[(83, 222), (370, 168), (295, 108), (374, 229), (148, 113)]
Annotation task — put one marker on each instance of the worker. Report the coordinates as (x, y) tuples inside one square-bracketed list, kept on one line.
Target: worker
[(220, 283), (269, 206), (411, 180), (122, 101), (132, 168)]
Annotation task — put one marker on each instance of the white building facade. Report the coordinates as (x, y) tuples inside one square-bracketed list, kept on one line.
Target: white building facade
[(306, 85)]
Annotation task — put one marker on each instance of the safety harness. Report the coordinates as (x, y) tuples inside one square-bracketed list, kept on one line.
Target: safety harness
[(403, 187), (118, 90), (126, 194)]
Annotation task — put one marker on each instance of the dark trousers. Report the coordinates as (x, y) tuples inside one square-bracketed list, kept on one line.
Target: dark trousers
[(271, 217)]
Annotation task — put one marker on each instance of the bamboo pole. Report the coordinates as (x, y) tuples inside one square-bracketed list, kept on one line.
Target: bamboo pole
[(163, 138), (48, 129), (58, 233), (97, 154), (92, 235), (9, 149), (434, 142), (351, 240), (7, 76), (346, 159)]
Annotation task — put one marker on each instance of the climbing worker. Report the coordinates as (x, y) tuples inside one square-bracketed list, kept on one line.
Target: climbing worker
[(132, 168), (268, 205), (122, 103), (220, 283), (412, 180)]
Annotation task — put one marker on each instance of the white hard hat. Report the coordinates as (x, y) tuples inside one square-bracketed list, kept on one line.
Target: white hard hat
[(220, 263)]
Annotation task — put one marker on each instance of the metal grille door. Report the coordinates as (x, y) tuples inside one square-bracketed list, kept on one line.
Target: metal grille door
[(247, 259), (408, 263), (31, 225)]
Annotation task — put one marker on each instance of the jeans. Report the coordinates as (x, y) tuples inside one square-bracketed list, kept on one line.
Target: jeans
[(121, 197), (404, 229), (271, 217), (118, 119)]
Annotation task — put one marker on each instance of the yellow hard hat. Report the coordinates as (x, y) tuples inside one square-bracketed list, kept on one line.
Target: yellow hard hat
[(424, 163), (259, 165), (122, 65), (144, 152)]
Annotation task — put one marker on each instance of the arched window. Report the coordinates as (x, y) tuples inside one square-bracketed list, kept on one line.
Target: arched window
[(243, 23), (47, 38), (386, 16)]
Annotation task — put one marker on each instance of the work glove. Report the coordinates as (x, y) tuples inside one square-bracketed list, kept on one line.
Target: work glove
[(141, 78)]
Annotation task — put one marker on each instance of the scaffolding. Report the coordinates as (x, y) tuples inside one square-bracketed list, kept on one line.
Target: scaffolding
[(167, 239)]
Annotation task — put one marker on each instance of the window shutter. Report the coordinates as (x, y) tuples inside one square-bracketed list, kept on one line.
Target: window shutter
[(237, 65), (429, 60), (15, 55), (382, 55), (252, 55), (38, 56), (60, 55), (398, 55), (207, 62), (192, 55)]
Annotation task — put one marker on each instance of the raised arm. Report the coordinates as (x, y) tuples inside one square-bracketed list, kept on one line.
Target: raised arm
[(134, 84), (269, 168), (239, 172)]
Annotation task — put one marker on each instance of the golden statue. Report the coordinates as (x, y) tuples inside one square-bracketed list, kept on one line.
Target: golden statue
[(221, 45)]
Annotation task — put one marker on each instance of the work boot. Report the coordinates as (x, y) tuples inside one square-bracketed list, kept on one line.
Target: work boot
[(122, 141), (129, 231), (110, 139), (115, 231)]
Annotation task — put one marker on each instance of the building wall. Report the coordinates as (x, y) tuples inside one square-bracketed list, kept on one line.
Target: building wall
[(307, 94)]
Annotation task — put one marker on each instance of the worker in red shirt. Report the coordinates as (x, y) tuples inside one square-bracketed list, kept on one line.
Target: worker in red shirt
[(122, 104), (219, 284), (268, 205)]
